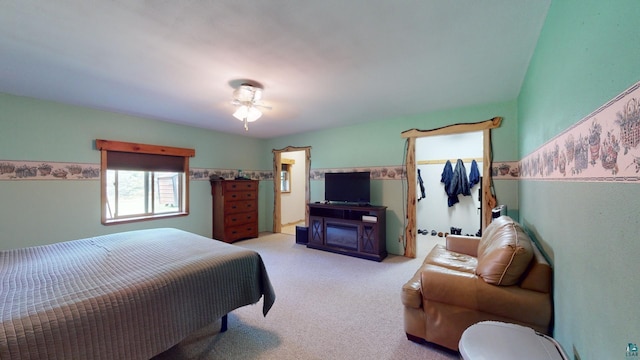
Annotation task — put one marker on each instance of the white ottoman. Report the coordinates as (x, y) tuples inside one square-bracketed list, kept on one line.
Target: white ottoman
[(492, 340)]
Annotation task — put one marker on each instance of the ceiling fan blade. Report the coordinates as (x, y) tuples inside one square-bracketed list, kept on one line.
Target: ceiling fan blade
[(257, 105)]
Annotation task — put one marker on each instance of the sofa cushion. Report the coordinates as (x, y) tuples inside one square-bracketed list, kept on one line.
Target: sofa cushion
[(440, 256), (504, 252)]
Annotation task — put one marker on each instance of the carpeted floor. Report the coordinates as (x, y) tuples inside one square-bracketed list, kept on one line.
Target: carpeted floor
[(328, 306)]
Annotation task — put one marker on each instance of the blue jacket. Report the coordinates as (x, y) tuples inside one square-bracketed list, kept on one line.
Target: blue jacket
[(457, 183), (474, 174)]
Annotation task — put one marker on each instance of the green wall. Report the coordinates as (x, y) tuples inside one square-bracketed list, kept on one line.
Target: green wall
[(49, 211), (587, 54), (44, 211), (380, 144)]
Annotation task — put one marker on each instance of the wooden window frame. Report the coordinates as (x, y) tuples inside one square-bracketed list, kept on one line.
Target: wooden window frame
[(106, 146), (286, 165)]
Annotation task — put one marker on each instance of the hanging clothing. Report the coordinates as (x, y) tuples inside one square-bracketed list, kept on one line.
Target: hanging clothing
[(421, 186), (447, 175), (459, 184), (474, 174)]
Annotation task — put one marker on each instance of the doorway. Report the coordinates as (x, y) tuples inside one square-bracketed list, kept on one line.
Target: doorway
[(488, 198), (438, 160), (291, 168)]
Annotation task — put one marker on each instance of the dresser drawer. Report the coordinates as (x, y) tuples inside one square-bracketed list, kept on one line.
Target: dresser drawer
[(240, 232), (233, 207), (239, 185), (240, 218), (240, 195)]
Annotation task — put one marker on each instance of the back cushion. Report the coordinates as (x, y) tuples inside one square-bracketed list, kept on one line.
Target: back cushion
[(504, 252)]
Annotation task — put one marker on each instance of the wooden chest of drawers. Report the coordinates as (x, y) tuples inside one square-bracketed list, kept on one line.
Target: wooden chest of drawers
[(235, 209)]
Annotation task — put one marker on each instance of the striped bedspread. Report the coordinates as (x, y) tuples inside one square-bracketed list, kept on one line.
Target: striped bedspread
[(129, 295)]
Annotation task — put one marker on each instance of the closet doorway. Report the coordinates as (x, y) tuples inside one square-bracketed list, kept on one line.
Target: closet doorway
[(291, 169), (443, 162), (488, 198)]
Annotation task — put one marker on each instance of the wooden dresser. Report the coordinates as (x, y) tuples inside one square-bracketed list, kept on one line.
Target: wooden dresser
[(235, 209)]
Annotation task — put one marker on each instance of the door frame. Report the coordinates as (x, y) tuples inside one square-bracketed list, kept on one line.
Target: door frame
[(277, 204), (488, 198)]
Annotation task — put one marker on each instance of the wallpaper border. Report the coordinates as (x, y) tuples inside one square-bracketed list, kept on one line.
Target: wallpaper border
[(601, 147), (19, 170)]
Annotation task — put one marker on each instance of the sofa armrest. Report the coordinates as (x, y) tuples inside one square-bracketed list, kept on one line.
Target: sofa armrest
[(539, 275), (471, 292), (411, 291), (463, 244)]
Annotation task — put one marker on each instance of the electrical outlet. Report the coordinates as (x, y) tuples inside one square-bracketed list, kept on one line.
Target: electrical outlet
[(576, 356)]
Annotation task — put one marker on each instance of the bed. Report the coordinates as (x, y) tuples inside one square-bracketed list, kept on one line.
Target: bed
[(128, 295)]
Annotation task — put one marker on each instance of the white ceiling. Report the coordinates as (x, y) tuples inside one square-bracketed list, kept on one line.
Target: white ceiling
[(323, 63)]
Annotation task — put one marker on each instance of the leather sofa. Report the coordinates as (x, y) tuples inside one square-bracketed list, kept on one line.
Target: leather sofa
[(501, 277)]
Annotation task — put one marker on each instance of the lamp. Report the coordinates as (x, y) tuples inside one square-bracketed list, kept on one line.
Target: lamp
[(247, 97)]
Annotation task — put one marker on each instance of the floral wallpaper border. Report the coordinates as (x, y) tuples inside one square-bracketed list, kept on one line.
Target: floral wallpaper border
[(51, 170), (48, 170), (602, 147), (395, 172), (196, 174), (505, 170)]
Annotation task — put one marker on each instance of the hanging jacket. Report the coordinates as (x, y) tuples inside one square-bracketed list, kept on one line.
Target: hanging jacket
[(459, 184), (474, 174), (422, 195), (447, 175)]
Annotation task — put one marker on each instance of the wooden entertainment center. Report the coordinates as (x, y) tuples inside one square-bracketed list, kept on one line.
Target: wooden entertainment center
[(353, 230)]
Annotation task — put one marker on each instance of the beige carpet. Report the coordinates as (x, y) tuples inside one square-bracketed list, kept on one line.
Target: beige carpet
[(328, 306)]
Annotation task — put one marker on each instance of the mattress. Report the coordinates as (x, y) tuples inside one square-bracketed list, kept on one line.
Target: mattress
[(128, 295)]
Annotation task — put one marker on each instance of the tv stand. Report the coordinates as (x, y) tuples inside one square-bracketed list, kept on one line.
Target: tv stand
[(353, 230)]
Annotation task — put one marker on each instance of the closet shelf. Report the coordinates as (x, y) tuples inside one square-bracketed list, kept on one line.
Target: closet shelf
[(444, 161)]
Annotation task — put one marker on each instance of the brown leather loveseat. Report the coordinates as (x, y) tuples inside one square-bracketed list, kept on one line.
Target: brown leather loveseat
[(501, 276)]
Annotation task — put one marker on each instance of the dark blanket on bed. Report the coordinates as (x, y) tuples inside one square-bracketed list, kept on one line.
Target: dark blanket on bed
[(122, 296)]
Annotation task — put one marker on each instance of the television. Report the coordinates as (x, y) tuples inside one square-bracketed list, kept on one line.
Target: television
[(348, 187)]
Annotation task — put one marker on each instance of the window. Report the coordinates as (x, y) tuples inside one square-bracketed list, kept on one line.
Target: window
[(285, 179), (142, 182), (285, 175)]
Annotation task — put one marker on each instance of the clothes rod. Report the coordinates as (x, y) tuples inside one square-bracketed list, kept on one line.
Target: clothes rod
[(444, 161)]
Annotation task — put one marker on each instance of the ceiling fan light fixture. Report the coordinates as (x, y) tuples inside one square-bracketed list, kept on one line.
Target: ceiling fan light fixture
[(247, 97), (248, 113)]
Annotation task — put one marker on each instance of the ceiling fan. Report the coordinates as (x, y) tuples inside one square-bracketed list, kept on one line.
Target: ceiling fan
[(248, 98)]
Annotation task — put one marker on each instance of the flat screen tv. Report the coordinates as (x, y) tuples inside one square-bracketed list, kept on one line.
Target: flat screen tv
[(348, 187)]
